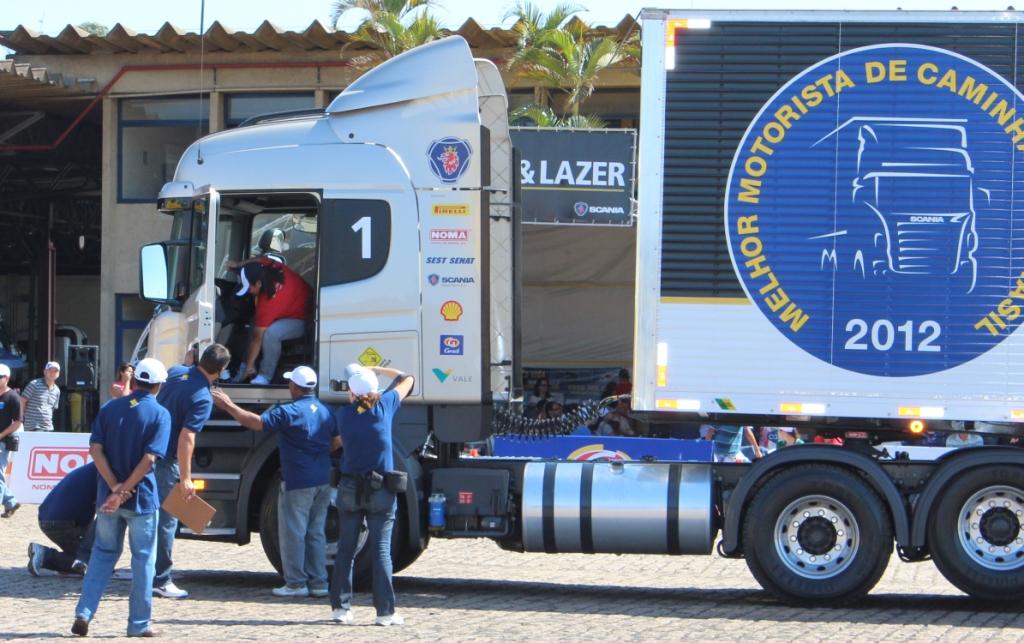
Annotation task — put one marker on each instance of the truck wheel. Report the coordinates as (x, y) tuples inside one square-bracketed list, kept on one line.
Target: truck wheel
[(363, 567), (817, 535), (975, 534)]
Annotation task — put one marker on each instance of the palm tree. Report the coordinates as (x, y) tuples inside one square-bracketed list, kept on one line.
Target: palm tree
[(531, 22), (392, 26), (559, 51), (541, 116)]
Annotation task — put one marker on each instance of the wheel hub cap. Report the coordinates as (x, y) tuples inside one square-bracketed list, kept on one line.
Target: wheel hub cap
[(989, 529), (816, 537)]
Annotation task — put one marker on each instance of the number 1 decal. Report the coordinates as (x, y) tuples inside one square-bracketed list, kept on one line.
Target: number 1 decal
[(362, 226)]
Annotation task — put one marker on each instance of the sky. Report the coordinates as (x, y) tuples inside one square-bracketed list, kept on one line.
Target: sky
[(50, 16)]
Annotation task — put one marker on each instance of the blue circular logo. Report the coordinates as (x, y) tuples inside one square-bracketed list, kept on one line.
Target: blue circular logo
[(870, 210)]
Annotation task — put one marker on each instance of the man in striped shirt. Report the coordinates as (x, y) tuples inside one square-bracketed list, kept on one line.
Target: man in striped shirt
[(40, 398)]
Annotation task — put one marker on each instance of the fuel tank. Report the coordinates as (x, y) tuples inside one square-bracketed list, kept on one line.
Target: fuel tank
[(618, 507)]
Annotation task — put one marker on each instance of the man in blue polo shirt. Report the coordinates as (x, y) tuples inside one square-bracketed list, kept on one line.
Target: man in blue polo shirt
[(66, 517), (307, 437), (128, 436), (186, 395)]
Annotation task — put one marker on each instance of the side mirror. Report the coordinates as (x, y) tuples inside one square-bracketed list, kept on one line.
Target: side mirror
[(153, 281)]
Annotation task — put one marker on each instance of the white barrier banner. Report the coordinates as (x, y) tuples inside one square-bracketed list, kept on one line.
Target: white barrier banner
[(43, 459)]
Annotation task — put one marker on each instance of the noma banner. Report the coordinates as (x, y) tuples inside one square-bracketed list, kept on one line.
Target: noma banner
[(576, 176), (871, 210)]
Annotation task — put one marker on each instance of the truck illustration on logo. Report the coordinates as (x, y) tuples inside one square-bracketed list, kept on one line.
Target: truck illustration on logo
[(917, 177)]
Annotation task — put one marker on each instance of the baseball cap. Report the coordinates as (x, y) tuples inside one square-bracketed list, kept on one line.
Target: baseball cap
[(303, 376), (50, 365), (150, 371), (250, 272), (361, 380), (5, 370)]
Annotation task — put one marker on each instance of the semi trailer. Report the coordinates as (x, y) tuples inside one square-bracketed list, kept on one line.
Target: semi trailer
[(826, 240)]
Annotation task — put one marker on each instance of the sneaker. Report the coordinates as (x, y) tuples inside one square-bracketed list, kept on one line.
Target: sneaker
[(318, 593), (35, 558), (290, 592), (81, 627), (79, 568), (259, 380), (342, 616), (393, 619), (146, 634), (10, 510), (170, 590)]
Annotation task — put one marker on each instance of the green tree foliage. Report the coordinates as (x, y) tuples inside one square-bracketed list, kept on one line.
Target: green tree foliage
[(392, 26), (546, 117), (94, 28), (557, 50)]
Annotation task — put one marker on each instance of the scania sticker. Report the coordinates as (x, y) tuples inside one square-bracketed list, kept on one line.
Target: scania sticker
[(451, 344), (440, 235), (449, 158), (582, 209), (451, 310), (448, 280), (450, 210), (869, 212)]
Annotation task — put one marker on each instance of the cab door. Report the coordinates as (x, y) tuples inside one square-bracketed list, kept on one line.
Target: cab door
[(199, 307), (369, 285)]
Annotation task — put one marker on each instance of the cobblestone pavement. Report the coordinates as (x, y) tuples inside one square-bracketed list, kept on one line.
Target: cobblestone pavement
[(472, 590)]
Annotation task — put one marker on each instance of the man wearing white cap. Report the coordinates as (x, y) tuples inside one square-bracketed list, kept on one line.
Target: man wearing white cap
[(40, 399), (10, 421), (365, 492), (129, 434), (307, 437)]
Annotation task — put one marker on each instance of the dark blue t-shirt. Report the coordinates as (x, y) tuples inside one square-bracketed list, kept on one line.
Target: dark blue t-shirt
[(186, 395), (366, 436), (306, 429), (73, 499), (129, 428)]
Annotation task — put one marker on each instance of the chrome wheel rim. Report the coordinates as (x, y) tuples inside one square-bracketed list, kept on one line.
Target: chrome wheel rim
[(989, 528), (817, 537)]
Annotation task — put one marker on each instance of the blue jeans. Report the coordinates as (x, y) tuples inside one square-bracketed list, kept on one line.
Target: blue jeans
[(6, 495), (276, 333), (301, 515), (105, 552), (167, 475), (379, 512)]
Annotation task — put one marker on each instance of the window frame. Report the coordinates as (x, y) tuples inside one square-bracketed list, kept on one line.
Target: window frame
[(202, 123)]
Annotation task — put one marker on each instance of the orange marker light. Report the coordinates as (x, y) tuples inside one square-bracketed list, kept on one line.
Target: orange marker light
[(200, 485), (916, 426)]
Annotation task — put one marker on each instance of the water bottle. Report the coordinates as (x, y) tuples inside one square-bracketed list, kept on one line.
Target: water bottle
[(436, 522)]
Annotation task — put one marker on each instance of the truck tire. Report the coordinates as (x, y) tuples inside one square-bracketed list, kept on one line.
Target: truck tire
[(362, 571), (817, 535), (975, 533)]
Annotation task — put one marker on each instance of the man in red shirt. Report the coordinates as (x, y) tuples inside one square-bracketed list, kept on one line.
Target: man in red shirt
[(284, 301)]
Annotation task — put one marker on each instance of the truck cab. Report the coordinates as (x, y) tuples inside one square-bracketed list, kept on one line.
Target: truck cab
[(393, 205)]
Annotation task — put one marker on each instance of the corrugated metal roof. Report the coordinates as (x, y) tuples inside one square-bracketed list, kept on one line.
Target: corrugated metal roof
[(21, 83), (267, 37)]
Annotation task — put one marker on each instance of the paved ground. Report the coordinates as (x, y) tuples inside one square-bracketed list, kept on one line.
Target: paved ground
[(472, 590)]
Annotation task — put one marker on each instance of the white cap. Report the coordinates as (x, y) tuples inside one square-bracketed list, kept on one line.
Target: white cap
[(150, 371), (244, 287), (303, 376), (50, 365), (361, 380), (5, 370)]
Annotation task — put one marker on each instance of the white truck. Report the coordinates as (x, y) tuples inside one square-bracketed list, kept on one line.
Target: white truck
[(777, 284)]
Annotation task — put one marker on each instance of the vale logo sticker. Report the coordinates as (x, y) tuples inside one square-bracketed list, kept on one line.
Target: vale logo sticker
[(869, 215)]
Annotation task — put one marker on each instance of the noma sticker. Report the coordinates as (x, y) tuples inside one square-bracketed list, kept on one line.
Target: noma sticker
[(870, 210)]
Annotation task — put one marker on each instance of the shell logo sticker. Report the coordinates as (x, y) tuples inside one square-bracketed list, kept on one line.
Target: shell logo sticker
[(598, 452), (451, 310), (370, 357)]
